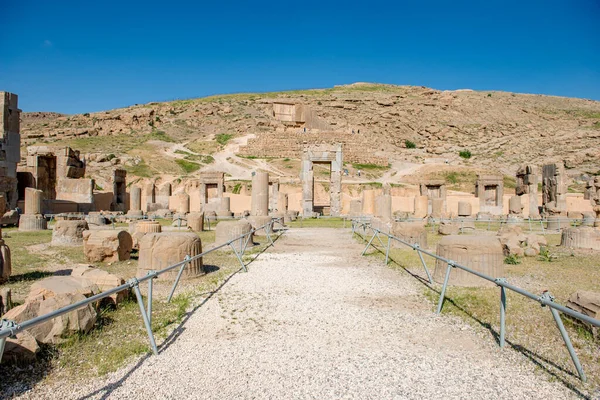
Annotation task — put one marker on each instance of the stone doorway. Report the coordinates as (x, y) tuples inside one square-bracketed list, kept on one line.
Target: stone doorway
[(322, 154)]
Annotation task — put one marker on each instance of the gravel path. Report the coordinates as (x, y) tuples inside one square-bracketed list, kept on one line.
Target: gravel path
[(313, 319)]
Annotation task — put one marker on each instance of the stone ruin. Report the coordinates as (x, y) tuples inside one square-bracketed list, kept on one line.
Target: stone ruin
[(322, 154), (69, 232), (435, 191), (5, 262), (587, 303), (298, 115), (554, 190), (480, 253), (583, 237), (212, 187), (107, 245), (490, 191), (119, 202), (527, 185), (592, 193), (32, 219), (160, 250), (10, 147), (135, 202), (59, 174), (229, 230)]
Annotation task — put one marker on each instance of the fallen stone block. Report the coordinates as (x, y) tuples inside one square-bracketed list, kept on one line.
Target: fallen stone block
[(68, 232), (107, 245), (160, 250)]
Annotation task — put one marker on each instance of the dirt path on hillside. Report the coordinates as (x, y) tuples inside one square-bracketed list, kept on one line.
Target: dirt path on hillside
[(313, 319)]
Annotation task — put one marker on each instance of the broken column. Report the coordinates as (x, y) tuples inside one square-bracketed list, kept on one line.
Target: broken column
[(5, 261), (33, 220), (274, 194), (438, 208), (554, 190), (10, 146), (160, 250), (195, 221), (224, 210), (282, 202), (527, 184), (183, 203), (464, 209), (135, 201), (163, 195), (515, 208), (150, 192), (260, 193)]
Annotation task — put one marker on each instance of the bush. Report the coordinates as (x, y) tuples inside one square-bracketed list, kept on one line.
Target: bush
[(86, 114), (466, 154), (188, 166), (512, 260), (489, 95), (545, 255), (409, 144)]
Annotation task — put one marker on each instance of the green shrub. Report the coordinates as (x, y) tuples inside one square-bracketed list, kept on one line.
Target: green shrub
[(86, 114), (512, 260), (489, 95), (409, 144), (545, 255), (466, 154)]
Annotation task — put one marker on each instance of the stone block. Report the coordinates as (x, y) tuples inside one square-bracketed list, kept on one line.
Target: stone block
[(35, 222), (587, 303), (104, 281), (411, 232), (229, 230), (107, 245), (68, 232), (464, 209), (448, 228), (480, 253), (195, 221), (161, 250), (581, 238)]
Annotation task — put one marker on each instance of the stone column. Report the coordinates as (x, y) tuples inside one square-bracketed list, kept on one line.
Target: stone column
[(274, 196), (163, 195), (224, 209), (5, 262), (150, 193), (183, 200), (368, 202), (421, 206), (33, 220), (437, 208), (135, 198), (308, 186), (514, 206), (282, 202), (260, 194)]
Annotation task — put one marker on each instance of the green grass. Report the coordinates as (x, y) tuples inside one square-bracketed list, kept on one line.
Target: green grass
[(466, 154), (188, 166), (223, 138), (370, 166), (160, 135), (204, 159), (141, 169), (333, 222), (509, 182), (409, 144)]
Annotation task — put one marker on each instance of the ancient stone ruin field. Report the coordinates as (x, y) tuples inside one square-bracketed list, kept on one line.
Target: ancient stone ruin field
[(363, 241)]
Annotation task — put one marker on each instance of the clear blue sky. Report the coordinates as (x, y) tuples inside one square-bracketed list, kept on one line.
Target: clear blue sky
[(78, 56)]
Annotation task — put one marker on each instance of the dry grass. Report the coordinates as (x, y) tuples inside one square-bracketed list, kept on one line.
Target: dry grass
[(530, 328)]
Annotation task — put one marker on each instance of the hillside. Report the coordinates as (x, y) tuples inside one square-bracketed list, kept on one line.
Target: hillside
[(238, 133)]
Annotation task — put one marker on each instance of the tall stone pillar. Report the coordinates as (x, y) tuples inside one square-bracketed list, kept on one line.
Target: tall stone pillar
[(33, 220), (10, 146), (554, 189), (135, 198), (260, 194), (308, 187), (274, 196), (383, 205), (335, 189), (150, 194)]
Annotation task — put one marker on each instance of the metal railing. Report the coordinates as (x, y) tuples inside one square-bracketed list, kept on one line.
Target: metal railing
[(11, 328), (545, 299)]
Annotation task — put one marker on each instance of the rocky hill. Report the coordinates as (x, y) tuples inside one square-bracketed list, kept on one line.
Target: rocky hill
[(376, 123)]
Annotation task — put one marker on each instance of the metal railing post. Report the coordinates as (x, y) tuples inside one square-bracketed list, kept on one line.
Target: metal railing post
[(238, 257), (418, 249), (150, 284), (2, 343), (246, 243), (136, 287), (501, 340), (563, 332), (177, 279), (267, 231), (369, 244), (387, 250), (443, 292)]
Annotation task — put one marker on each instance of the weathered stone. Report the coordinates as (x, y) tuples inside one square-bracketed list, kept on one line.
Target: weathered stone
[(514, 206), (557, 222), (107, 245), (148, 227), (33, 201), (257, 222), (368, 202), (49, 295), (589, 218), (5, 261), (464, 209), (411, 232), (438, 208), (96, 219), (290, 216), (383, 207), (554, 189), (480, 253), (20, 350), (103, 280), (29, 222), (195, 221), (527, 184), (68, 233), (160, 250), (135, 199), (119, 190), (260, 194), (448, 228), (224, 209), (490, 191), (574, 215), (581, 238), (183, 203), (5, 300), (421, 206), (322, 153), (229, 230), (587, 303), (355, 208), (210, 216)]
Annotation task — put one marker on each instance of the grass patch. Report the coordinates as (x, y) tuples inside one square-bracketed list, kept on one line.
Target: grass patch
[(160, 135), (409, 144), (188, 166), (141, 169), (370, 166), (466, 154), (333, 222), (223, 138)]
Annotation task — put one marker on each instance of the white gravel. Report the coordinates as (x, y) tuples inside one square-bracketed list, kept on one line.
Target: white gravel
[(313, 319)]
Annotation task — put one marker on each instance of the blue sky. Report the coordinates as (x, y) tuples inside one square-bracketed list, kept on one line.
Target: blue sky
[(80, 56)]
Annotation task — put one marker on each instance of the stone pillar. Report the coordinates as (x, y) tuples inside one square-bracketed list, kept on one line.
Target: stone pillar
[(260, 194), (421, 206), (224, 209), (438, 209), (135, 198), (33, 220), (163, 195), (5, 261), (368, 202), (464, 209), (554, 189), (282, 202), (183, 201), (527, 184), (308, 187), (335, 188), (274, 196), (383, 207), (150, 193), (195, 221), (10, 146), (33, 201), (203, 194)]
